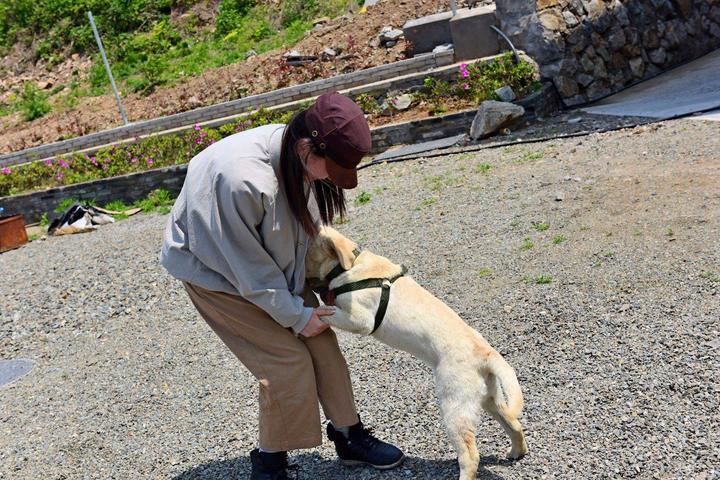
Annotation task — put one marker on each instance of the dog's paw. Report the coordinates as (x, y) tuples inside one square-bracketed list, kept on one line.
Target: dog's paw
[(517, 453)]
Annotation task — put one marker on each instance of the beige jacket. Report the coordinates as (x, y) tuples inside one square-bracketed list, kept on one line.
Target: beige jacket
[(231, 229)]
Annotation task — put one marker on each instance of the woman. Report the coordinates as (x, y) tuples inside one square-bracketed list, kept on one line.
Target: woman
[(237, 238)]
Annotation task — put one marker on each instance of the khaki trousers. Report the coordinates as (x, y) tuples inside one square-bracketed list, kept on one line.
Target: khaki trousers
[(293, 372)]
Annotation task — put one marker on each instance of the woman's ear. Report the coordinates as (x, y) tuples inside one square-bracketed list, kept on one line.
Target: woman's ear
[(303, 147)]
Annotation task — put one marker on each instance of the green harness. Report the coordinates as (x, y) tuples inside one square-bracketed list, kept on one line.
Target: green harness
[(383, 283)]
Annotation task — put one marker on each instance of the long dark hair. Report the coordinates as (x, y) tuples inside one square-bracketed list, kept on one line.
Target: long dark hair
[(330, 198)]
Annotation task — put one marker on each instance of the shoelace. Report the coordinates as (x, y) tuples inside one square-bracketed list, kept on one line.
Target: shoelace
[(368, 438)]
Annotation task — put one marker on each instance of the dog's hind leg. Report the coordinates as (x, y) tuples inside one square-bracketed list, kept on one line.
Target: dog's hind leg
[(459, 412), (510, 424)]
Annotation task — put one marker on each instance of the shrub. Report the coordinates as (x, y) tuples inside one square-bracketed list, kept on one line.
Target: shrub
[(33, 102)]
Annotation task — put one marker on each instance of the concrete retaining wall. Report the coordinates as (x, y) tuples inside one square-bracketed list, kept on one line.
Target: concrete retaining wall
[(136, 186), (591, 48), (234, 107)]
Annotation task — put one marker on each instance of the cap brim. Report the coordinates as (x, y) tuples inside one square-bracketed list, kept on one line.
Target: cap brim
[(341, 176)]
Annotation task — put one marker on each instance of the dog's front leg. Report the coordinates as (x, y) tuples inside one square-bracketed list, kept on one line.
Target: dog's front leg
[(347, 321)]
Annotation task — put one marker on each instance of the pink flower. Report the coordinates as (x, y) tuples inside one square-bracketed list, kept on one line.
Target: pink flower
[(48, 162), (463, 70), (134, 160), (149, 161), (466, 86), (6, 170), (93, 160), (198, 127), (60, 176), (63, 163)]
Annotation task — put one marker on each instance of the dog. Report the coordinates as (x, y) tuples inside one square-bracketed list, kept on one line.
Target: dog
[(469, 373)]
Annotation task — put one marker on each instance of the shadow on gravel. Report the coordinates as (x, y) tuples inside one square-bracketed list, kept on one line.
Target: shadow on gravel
[(314, 467)]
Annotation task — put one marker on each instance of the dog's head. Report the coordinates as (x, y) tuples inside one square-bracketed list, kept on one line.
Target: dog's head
[(327, 249)]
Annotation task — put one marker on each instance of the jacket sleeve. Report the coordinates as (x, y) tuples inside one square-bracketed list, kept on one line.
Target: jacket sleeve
[(236, 212)]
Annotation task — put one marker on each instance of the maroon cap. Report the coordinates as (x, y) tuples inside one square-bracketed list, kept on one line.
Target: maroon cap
[(340, 132)]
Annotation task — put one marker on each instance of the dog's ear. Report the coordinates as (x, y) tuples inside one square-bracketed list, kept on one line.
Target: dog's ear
[(342, 246)]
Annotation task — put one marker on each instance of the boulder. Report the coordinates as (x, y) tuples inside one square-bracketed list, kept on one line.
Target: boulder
[(492, 116), (506, 93), (402, 102)]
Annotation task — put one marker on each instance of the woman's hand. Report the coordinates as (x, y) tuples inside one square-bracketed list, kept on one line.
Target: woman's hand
[(316, 326)]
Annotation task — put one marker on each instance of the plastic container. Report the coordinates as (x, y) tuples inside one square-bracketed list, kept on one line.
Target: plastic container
[(12, 232)]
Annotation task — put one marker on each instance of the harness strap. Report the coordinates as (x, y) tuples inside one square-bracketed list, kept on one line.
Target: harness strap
[(383, 283), (339, 270)]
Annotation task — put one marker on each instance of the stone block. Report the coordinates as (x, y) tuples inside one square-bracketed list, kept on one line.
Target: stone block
[(472, 36), (428, 32)]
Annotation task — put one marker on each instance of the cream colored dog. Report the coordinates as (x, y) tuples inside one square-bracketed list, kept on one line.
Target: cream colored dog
[(469, 373)]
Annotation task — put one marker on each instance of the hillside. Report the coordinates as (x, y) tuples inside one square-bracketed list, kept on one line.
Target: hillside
[(350, 35)]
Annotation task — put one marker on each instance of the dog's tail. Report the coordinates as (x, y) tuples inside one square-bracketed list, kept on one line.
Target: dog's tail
[(502, 384)]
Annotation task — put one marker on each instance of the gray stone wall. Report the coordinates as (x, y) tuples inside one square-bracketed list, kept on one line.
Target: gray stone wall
[(591, 48)]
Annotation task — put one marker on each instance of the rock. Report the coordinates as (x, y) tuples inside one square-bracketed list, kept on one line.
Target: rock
[(594, 8), (328, 53), (402, 102), (320, 21), (566, 86), (374, 42), (637, 67), (559, 197), (600, 72), (447, 47), (658, 56), (492, 116), (292, 55), (506, 93), (584, 79), (617, 39), (250, 53), (44, 84), (587, 62), (552, 19), (570, 19), (620, 13), (390, 44), (543, 4), (388, 35), (685, 7)]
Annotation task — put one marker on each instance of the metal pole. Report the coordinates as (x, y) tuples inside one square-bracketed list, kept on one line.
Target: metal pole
[(453, 7), (107, 67)]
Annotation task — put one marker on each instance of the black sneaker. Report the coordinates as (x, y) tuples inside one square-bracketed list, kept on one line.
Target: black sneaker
[(362, 448), (270, 466)]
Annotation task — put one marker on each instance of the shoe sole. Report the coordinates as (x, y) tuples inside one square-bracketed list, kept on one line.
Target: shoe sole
[(355, 463)]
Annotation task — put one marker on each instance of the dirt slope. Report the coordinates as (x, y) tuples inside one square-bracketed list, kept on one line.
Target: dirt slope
[(352, 34)]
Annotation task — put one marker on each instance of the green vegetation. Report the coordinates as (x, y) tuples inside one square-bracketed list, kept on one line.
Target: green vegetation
[(531, 157), (484, 272), (427, 202), (713, 277), (144, 48), (483, 168), (558, 239), (541, 226), (543, 279), (527, 244), (363, 198), (33, 102), (478, 81)]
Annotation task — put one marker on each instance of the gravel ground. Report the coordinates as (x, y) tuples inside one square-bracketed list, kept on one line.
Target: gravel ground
[(617, 355)]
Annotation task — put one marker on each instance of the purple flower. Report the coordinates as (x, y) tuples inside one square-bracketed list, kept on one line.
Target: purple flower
[(63, 163), (149, 161), (463, 70), (48, 162), (6, 170), (198, 127)]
